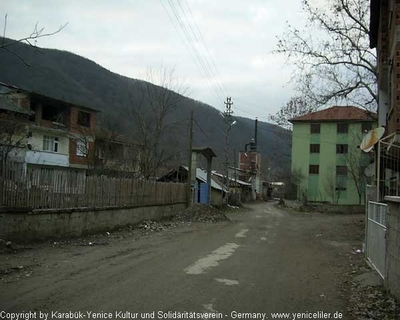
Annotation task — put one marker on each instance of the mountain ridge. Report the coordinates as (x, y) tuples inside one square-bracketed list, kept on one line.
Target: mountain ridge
[(67, 76)]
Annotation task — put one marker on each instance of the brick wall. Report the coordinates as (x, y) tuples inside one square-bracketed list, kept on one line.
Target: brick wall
[(392, 280), (87, 132), (390, 58), (76, 128)]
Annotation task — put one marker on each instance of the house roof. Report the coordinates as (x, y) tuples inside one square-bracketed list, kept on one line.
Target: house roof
[(205, 151), (38, 95), (103, 134), (238, 181), (337, 113)]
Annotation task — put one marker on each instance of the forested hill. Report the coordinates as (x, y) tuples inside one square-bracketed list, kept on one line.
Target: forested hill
[(67, 76)]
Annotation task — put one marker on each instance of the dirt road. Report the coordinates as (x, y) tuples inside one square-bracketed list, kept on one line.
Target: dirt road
[(266, 260)]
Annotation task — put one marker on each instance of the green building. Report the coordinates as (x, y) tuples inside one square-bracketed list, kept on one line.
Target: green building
[(327, 165)]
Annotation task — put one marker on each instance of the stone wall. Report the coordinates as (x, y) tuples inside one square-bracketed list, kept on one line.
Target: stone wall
[(392, 280), (43, 224)]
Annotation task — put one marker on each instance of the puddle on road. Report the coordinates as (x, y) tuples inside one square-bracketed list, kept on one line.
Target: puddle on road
[(212, 260), (337, 244), (228, 282), (241, 233)]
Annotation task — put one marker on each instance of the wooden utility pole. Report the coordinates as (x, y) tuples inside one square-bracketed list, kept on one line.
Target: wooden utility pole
[(189, 182), (235, 172)]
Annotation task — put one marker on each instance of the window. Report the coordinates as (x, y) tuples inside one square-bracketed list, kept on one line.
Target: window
[(53, 113), (366, 126), (82, 148), (314, 148), (84, 119), (50, 143), (342, 148), (342, 128), (314, 169), (341, 170), (315, 128)]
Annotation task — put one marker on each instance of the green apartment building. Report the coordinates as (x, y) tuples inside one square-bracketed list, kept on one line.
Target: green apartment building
[(327, 165)]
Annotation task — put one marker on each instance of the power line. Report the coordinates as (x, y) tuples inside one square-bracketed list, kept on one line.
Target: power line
[(208, 51), (195, 51), (201, 129), (202, 63)]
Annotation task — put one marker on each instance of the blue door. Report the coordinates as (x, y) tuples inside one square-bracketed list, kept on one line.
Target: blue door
[(204, 193)]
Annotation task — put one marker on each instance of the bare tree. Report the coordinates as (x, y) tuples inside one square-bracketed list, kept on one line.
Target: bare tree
[(296, 107), (330, 185), (160, 96), (117, 153), (298, 178), (332, 56), (357, 161), (31, 39), (12, 134)]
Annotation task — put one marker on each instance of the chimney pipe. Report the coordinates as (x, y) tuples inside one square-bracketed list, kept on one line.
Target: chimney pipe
[(255, 133)]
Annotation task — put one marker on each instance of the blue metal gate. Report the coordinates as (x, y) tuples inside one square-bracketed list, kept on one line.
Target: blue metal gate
[(204, 196)]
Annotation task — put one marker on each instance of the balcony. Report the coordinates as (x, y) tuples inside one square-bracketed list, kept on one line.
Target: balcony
[(47, 158)]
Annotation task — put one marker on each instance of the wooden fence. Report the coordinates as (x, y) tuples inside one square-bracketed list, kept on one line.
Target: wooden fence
[(43, 188)]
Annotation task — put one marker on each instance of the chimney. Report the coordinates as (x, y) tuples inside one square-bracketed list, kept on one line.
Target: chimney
[(255, 133)]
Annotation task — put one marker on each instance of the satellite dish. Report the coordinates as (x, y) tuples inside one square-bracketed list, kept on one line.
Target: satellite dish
[(371, 138), (370, 170)]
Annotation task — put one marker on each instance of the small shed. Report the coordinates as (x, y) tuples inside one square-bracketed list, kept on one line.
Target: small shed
[(200, 192)]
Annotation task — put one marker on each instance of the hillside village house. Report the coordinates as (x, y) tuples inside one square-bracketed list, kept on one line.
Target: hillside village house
[(326, 161), (51, 134), (116, 153)]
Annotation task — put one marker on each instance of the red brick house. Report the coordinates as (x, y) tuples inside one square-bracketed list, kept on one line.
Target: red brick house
[(58, 133)]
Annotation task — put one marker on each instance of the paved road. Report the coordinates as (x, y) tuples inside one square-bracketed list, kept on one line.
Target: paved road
[(265, 261)]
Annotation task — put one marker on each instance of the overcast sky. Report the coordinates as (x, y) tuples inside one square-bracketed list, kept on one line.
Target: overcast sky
[(130, 36)]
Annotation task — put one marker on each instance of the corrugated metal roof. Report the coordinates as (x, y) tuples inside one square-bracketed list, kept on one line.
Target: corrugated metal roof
[(202, 175), (232, 179), (337, 113)]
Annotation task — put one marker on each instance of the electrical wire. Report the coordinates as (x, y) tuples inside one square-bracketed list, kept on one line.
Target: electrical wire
[(197, 56)]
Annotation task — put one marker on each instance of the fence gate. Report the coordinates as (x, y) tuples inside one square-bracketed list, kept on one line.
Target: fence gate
[(375, 236)]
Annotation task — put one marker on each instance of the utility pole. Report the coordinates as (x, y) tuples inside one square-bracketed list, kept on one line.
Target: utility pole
[(235, 174), (189, 182), (228, 121)]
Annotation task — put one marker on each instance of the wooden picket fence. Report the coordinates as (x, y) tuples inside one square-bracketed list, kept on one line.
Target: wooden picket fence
[(44, 188)]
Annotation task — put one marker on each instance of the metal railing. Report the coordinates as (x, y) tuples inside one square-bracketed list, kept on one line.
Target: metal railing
[(388, 167)]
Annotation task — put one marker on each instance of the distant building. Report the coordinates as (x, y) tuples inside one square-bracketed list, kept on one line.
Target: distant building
[(116, 153), (326, 160), (52, 133), (250, 169)]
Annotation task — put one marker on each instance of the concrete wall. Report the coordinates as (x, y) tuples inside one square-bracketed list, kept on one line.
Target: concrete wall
[(36, 225), (392, 280)]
